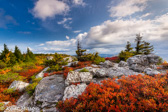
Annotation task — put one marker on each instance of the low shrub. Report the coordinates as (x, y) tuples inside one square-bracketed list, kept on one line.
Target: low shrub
[(2, 65), (113, 59), (54, 68), (66, 71), (31, 87), (133, 93), (124, 55), (84, 70), (10, 77), (16, 68)]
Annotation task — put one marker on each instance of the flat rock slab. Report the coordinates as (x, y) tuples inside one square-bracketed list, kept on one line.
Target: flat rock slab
[(74, 91), (49, 91), (41, 74)]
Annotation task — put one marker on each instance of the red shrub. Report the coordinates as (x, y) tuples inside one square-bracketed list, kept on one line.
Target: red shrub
[(114, 59), (133, 93), (66, 70)]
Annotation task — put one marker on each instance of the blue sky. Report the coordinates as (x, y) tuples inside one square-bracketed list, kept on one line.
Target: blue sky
[(48, 26)]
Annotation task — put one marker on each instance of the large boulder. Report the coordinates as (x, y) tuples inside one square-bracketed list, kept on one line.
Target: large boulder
[(74, 91), (25, 100), (49, 91), (102, 72), (78, 77), (107, 64), (151, 72), (18, 85), (139, 62), (120, 71), (122, 64), (49, 57)]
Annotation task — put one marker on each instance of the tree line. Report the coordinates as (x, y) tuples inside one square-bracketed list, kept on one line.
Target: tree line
[(10, 58)]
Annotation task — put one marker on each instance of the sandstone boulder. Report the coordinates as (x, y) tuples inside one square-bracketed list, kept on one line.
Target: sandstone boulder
[(151, 72), (122, 64), (107, 64)]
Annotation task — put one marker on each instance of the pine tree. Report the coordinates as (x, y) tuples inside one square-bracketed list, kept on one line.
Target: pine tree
[(4, 52), (18, 54), (29, 55), (139, 45), (128, 47), (79, 50), (147, 49)]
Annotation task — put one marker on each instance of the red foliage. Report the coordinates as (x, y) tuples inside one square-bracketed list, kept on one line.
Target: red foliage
[(114, 59), (83, 64), (133, 93), (75, 83), (31, 72), (66, 70)]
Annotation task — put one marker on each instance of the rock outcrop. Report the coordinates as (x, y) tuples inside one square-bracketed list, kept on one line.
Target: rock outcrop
[(139, 62), (19, 85), (122, 64), (74, 91), (151, 72), (107, 64), (78, 77), (49, 91)]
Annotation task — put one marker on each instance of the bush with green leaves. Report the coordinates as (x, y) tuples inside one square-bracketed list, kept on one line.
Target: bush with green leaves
[(31, 87), (10, 77), (16, 68), (9, 91), (95, 58), (2, 64), (124, 55), (84, 70), (56, 63)]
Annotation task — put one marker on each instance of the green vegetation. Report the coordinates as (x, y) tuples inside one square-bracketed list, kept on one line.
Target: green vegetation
[(142, 47), (31, 88), (79, 51), (84, 70)]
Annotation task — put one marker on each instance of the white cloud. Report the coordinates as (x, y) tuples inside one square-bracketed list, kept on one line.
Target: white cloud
[(65, 22), (127, 7), (145, 15), (49, 8), (67, 37), (79, 2), (77, 31)]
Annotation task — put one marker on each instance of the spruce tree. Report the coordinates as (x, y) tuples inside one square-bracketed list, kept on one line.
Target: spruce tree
[(79, 50), (147, 48), (18, 54), (4, 52), (139, 45), (128, 47), (29, 55)]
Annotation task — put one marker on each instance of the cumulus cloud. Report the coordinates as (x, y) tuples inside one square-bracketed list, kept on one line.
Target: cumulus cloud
[(127, 7), (145, 15), (6, 20), (49, 8), (67, 37)]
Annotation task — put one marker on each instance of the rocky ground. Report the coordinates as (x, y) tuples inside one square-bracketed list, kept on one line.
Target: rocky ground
[(53, 88)]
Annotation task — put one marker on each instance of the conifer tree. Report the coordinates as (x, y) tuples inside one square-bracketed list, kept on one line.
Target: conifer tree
[(128, 47), (29, 55), (18, 54), (147, 48), (4, 52), (139, 45), (79, 50)]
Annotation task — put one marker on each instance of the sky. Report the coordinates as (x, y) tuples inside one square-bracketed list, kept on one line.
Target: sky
[(104, 26)]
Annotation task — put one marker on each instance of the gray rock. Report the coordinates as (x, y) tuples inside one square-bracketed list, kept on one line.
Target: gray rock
[(122, 64), (101, 72), (75, 77), (69, 59), (151, 72), (19, 85), (98, 80), (25, 100), (107, 64), (120, 71), (15, 108), (52, 109), (49, 91), (74, 91), (139, 62), (41, 74)]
